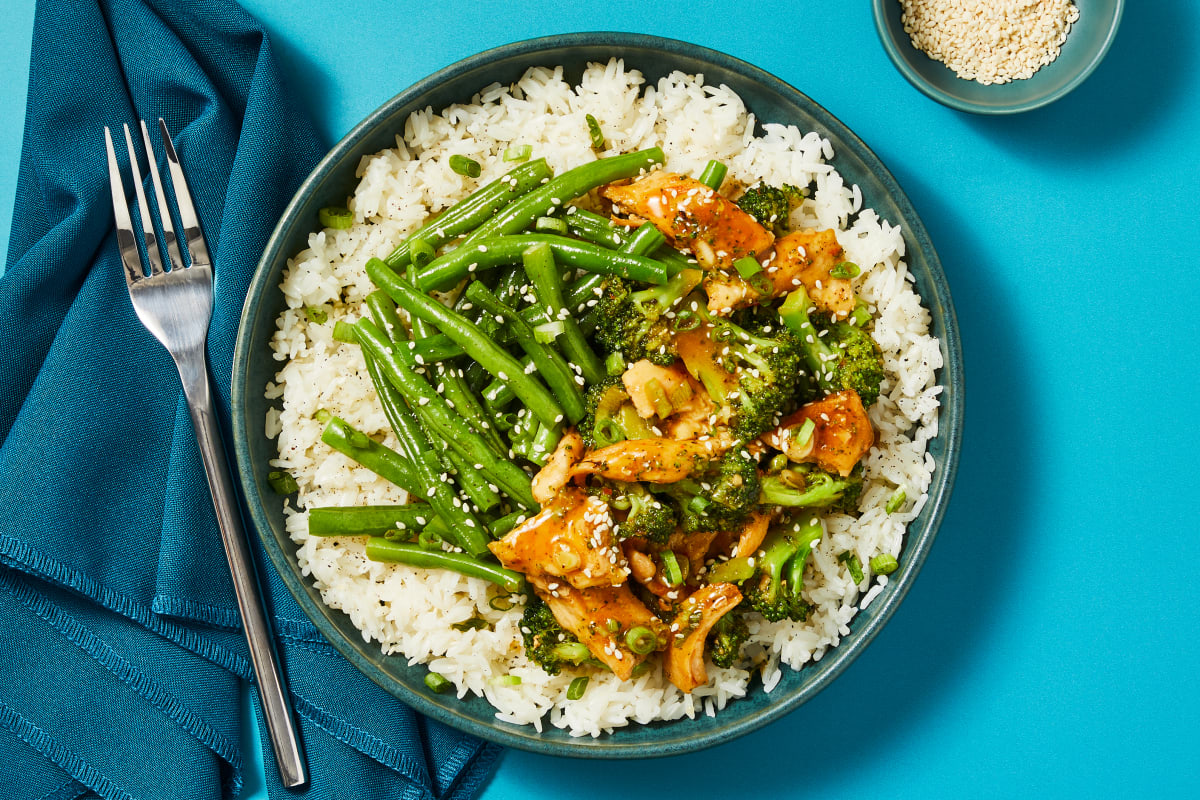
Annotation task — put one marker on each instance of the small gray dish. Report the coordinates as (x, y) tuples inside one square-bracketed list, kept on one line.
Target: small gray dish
[(333, 180), (1085, 47)]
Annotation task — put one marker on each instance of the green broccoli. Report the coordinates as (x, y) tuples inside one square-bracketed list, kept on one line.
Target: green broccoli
[(808, 486), (840, 355), (609, 417), (648, 518), (727, 637), (547, 643), (774, 588), (766, 365), (634, 323), (721, 497), (771, 205)]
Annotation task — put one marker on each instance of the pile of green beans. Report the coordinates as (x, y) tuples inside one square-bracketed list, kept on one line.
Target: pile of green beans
[(479, 385)]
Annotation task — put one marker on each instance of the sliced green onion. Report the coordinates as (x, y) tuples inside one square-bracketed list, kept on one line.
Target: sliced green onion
[(641, 640), (612, 625), (506, 680), (436, 682), (884, 564), (658, 396), (551, 225), (621, 502), (464, 165), (501, 602), (685, 320), (898, 498), (761, 283), (595, 133), (713, 175), (853, 564), (748, 266), (615, 364), (336, 217), (778, 463), (344, 332), (430, 540), (577, 687), (282, 482), (472, 624), (316, 314), (399, 535), (672, 574), (519, 152), (699, 504), (608, 432), (421, 252), (805, 433), (844, 269), (547, 332)]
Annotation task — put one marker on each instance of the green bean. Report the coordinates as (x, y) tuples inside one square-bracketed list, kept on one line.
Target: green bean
[(547, 282), (493, 357), (592, 227), (367, 520), (380, 549), (504, 524), (475, 484), (447, 270), (440, 347), (383, 313), (472, 211), (380, 459), (543, 442), (645, 239), (453, 386), (441, 421), (559, 191), (549, 364)]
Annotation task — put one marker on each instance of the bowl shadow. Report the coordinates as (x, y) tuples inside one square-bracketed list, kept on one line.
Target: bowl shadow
[(1131, 92)]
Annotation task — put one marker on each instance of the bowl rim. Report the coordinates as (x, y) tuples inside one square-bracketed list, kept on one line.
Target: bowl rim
[(918, 81), (836, 660)]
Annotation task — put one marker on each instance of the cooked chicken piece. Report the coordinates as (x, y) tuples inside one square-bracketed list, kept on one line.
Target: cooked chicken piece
[(807, 257), (554, 475), (753, 532), (592, 614), (656, 390), (643, 568), (683, 662), (693, 217), (692, 419), (698, 349), (842, 432), (570, 540), (801, 258), (648, 460)]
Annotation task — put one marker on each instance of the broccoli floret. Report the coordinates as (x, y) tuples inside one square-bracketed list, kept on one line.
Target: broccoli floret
[(609, 417), (807, 486), (648, 518), (771, 205), (634, 324), (727, 637), (767, 367), (547, 643), (721, 497), (774, 588), (840, 355)]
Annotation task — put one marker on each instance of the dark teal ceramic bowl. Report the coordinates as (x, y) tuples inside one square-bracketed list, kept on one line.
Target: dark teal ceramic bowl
[(333, 180), (1087, 43)]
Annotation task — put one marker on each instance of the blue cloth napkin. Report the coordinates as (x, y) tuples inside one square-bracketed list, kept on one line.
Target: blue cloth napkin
[(120, 653)]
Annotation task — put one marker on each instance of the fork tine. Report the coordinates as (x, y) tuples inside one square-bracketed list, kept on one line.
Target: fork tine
[(196, 245), (152, 251), (164, 211), (126, 240)]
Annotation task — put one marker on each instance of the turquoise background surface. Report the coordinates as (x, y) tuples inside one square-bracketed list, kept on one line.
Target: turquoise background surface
[(1048, 647)]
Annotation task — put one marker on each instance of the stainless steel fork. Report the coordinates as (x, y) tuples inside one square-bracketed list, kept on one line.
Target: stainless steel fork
[(175, 304)]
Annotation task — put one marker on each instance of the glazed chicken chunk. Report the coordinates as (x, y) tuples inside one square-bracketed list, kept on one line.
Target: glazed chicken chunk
[(570, 541), (693, 217), (841, 436), (684, 661)]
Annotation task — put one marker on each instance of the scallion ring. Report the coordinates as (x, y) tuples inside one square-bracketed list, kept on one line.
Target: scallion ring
[(335, 217), (577, 688), (436, 682), (641, 640), (464, 165)]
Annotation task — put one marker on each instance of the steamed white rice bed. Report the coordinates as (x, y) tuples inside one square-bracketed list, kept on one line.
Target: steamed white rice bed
[(409, 611)]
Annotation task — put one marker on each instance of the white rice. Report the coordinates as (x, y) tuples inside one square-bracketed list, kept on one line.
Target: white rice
[(410, 611)]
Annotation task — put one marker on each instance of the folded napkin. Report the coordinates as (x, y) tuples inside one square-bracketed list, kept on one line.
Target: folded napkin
[(120, 652)]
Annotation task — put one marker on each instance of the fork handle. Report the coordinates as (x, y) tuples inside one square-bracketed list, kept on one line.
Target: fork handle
[(267, 672)]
